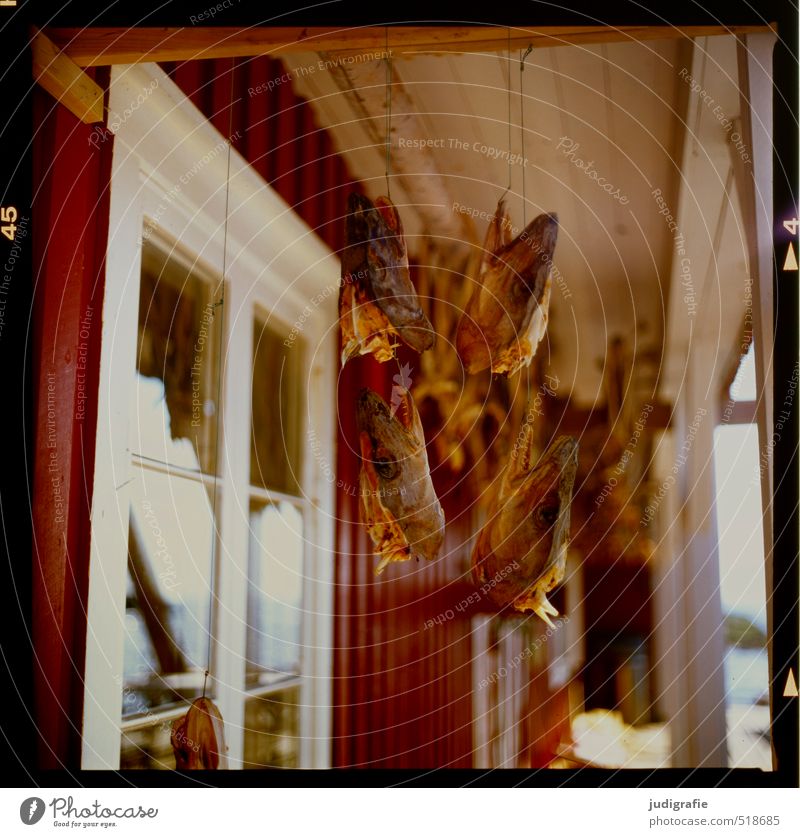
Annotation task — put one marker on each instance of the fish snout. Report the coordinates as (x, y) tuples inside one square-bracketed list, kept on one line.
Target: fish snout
[(550, 232), (564, 449), (427, 534), (420, 336)]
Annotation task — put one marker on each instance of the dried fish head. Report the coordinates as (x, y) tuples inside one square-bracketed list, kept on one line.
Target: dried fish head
[(198, 738), (398, 501), (377, 301), (506, 316), (520, 554)]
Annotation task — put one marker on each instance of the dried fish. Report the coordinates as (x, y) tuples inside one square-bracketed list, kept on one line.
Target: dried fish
[(377, 301), (520, 554), (198, 738), (506, 316), (398, 503)]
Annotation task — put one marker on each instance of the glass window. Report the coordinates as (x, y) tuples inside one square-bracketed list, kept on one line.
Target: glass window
[(174, 408), (275, 449), (169, 582), (168, 616), (271, 730), (275, 592), (147, 748)]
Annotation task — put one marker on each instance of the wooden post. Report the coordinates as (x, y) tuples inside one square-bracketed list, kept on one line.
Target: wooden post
[(753, 167)]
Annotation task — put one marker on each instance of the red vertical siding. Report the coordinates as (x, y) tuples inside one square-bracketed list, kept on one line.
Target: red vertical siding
[(70, 223), (275, 131), (403, 691)]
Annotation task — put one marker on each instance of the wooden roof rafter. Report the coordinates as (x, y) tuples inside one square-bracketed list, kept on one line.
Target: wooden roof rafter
[(104, 46)]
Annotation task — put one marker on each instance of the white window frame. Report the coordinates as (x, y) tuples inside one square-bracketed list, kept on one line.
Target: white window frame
[(169, 168)]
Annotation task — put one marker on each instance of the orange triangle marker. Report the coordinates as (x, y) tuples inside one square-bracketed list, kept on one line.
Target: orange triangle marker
[(791, 260), (790, 690)]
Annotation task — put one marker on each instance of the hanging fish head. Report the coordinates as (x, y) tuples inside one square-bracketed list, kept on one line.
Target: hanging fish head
[(377, 300), (398, 502), (520, 555), (198, 738), (506, 316)]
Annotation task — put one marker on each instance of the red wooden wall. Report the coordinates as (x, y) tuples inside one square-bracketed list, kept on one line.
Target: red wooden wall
[(70, 226), (274, 130), (403, 688)]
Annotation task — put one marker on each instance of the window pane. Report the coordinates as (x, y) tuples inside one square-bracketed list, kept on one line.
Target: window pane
[(169, 578), (275, 449), (275, 593), (271, 730), (174, 404), (148, 748)]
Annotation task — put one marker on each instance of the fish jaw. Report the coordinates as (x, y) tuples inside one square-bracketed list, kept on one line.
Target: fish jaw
[(399, 505), (383, 303), (506, 316), (521, 552), (365, 329), (521, 351)]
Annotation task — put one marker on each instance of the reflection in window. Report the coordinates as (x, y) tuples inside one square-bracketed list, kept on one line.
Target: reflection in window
[(275, 589), (169, 582), (177, 345), (147, 748), (275, 449), (151, 433), (271, 730), (171, 529)]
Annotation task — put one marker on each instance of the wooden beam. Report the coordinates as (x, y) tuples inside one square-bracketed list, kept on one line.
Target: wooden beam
[(62, 78), (102, 46)]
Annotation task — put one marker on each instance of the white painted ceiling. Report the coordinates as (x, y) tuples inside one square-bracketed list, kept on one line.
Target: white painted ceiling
[(623, 106)]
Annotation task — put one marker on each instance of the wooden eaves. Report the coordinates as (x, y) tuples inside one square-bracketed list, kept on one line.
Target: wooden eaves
[(58, 53)]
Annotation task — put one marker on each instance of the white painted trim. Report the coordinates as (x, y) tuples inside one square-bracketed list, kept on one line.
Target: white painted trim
[(234, 522), (102, 710), (169, 171), (317, 690)]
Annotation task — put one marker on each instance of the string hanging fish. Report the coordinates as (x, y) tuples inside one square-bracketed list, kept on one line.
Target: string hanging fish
[(377, 301), (520, 554), (399, 506), (198, 738), (506, 316)]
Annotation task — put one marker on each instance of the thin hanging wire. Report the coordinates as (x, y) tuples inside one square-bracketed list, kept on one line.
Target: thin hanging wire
[(508, 91), (388, 140), (523, 56), (388, 144), (219, 305)]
